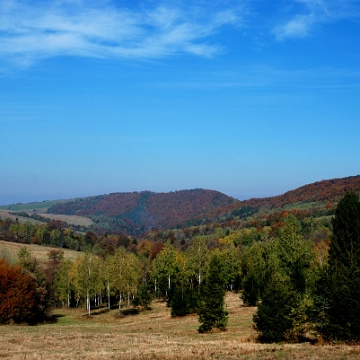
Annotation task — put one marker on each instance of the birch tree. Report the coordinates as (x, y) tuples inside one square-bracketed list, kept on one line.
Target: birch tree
[(165, 264), (63, 284), (87, 277), (199, 260)]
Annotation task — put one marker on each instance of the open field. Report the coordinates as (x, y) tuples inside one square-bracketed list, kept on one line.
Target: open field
[(11, 249), (153, 335), (70, 219), (40, 205), (4, 214)]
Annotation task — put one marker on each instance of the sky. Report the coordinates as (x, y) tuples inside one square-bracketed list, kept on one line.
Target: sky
[(252, 98)]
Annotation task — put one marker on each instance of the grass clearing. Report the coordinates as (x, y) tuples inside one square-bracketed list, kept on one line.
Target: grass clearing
[(153, 335), (5, 214), (11, 249), (70, 219), (33, 205)]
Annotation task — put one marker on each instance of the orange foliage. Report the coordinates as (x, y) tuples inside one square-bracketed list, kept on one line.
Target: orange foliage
[(17, 295)]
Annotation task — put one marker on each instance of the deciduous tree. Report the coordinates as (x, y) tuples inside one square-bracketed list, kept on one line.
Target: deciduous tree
[(18, 297)]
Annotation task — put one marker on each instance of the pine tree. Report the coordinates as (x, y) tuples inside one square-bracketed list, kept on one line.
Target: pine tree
[(250, 290), (212, 312), (339, 290), (283, 313), (272, 320)]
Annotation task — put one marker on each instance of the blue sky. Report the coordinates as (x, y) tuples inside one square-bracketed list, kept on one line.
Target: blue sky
[(251, 98)]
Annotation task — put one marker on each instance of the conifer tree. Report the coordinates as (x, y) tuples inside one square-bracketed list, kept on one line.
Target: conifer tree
[(272, 320), (339, 290), (212, 312), (283, 313)]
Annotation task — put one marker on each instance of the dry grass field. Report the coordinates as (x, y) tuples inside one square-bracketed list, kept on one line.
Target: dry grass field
[(11, 249), (153, 335), (70, 219)]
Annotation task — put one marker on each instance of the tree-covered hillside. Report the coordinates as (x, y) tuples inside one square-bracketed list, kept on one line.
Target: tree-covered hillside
[(153, 215), (136, 212)]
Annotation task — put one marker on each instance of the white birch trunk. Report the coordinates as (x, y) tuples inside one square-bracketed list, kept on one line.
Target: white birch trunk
[(108, 294)]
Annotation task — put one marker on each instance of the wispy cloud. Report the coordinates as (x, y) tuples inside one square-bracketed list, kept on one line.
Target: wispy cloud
[(305, 14), (31, 30)]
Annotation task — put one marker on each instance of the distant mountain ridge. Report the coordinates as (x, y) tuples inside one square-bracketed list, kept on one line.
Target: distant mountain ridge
[(136, 212), (141, 211)]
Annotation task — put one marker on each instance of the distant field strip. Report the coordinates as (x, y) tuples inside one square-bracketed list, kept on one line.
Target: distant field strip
[(33, 205), (70, 219)]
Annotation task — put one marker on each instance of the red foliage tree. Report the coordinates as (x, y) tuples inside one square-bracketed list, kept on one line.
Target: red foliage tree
[(157, 247), (18, 297)]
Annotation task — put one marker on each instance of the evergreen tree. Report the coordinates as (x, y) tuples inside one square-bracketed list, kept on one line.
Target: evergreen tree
[(272, 319), (250, 290), (283, 313), (339, 290), (255, 263), (183, 301), (212, 312), (143, 298)]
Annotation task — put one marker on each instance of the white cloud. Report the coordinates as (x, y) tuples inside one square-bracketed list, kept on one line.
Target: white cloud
[(296, 27), (313, 12), (31, 31)]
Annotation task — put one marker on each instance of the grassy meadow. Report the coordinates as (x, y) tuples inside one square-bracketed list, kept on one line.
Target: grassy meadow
[(9, 250), (153, 335), (70, 219), (38, 206), (41, 208)]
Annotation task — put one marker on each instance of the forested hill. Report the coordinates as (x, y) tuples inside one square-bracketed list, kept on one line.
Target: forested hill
[(139, 211), (321, 191)]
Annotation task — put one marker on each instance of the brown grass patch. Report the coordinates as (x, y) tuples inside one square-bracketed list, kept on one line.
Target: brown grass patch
[(153, 335), (38, 251), (70, 219)]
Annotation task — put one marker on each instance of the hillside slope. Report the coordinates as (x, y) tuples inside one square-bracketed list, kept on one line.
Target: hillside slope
[(321, 191), (139, 211), (136, 212)]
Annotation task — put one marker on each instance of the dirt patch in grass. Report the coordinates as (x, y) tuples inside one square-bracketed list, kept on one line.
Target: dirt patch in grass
[(153, 335)]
